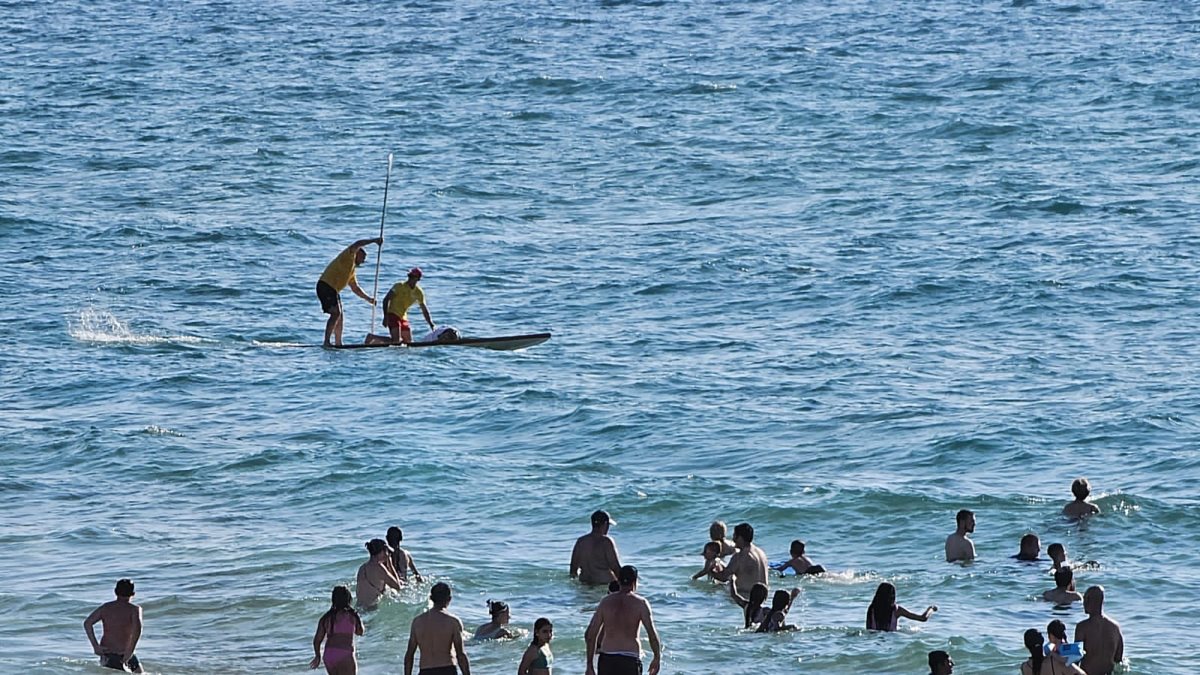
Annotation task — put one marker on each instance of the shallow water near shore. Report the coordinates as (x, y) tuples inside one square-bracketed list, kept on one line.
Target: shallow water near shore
[(834, 269)]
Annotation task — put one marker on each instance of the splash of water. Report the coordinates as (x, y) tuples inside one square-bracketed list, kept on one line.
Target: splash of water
[(103, 327)]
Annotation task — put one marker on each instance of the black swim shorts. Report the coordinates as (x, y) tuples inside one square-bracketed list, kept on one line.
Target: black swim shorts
[(440, 670), (331, 302), (115, 662), (619, 664)]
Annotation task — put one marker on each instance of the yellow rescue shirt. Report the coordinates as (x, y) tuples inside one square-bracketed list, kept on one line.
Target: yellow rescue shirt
[(340, 272), (403, 297)]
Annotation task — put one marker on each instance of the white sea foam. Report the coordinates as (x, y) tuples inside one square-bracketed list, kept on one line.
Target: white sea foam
[(103, 327)]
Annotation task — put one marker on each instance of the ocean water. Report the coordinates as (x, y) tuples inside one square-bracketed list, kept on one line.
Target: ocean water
[(836, 269)]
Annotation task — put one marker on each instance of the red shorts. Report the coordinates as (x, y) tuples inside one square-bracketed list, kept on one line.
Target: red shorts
[(392, 320)]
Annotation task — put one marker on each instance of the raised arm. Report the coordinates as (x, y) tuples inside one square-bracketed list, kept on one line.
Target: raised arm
[(916, 617)]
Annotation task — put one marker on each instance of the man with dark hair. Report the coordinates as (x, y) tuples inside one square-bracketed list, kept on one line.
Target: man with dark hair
[(1031, 548), (1062, 593), (959, 546), (1103, 644), (594, 560), (438, 635), (620, 616), (940, 663), (122, 623), (746, 567)]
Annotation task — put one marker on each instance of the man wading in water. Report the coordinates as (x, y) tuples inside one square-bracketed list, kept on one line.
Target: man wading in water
[(620, 616)]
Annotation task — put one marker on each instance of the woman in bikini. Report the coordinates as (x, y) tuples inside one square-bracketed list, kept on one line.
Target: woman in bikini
[(884, 614), (538, 659), (337, 629)]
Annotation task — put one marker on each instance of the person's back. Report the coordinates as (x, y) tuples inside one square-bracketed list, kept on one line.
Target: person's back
[(437, 635), (1103, 644), (1080, 507), (121, 621), (621, 614), (594, 559)]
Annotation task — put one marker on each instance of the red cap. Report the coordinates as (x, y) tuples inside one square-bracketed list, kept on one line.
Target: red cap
[(415, 272)]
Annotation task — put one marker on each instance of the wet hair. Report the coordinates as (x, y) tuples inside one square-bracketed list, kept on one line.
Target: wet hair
[(1029, 541), (717, 525), (124, 588), (961, 517), (376, 546), (394, 535), (339, 601), (883, 607), (497, 607), (758, 595), (1058, 629), (541, 623), (797, 548), (440, 594), (1034, 642), (745, 531), (937, 658), (713, 546), (1081, 488), (1056, 548), (627, 575), (1063, 577), (614, 586)]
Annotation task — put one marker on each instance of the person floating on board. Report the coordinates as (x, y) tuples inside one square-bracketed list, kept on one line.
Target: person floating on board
[(337, 275), (396, 304)]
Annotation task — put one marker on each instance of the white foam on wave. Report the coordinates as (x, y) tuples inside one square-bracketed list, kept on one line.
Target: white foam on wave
[(99, 326)]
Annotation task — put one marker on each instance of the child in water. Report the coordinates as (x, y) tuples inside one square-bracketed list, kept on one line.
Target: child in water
[(800, 562), (712, 561), (780, 604)]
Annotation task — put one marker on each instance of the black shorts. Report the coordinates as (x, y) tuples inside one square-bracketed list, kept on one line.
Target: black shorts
[(331, 302), (114, 661), (619, 664), (440, 670)]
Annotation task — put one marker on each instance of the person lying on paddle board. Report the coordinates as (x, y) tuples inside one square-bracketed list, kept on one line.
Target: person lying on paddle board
[(396, 304), (337, 275)]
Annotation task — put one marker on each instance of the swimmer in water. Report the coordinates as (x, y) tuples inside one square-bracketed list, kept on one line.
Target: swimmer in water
[(752, 607), (497, 628), (780, 604), (884, 614), (716, 532), (800, 561), (1081, 507), (959, 547), (1062, 594), (375, 576), (712, 561), (1031, 549)]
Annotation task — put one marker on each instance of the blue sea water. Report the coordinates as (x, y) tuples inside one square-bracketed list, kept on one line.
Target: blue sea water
[(837, 269)]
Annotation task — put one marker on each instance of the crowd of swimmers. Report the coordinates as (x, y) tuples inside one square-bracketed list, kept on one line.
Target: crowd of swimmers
[(614, 635)]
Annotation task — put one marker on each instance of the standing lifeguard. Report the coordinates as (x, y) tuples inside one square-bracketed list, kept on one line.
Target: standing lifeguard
[(396, 304), (338, 274)]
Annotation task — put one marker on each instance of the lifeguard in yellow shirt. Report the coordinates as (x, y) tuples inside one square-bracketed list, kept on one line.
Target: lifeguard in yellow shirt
[(338, 274), (396, 304)]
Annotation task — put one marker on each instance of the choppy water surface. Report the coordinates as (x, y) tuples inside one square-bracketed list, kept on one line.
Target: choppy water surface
[(835, 269)]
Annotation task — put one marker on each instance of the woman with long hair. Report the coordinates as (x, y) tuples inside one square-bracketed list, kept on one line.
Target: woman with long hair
[(497, 628), (884, 614), (1041, 662), (780, 604), (538, 659), (337, 629), (375, 576), (752, 607)]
